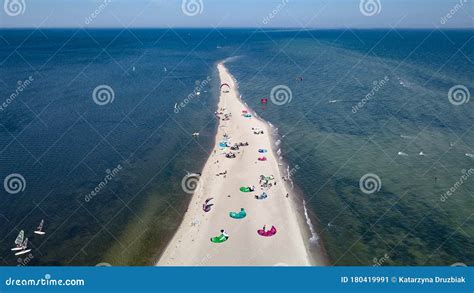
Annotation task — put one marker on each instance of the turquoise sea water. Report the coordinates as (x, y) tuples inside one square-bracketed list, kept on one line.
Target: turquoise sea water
[(63, 143)]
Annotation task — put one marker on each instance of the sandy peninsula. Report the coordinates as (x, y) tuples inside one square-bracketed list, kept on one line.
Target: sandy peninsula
[(192, 246)]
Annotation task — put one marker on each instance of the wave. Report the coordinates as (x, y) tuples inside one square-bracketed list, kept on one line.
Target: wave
[(314, 236), (232, 58)]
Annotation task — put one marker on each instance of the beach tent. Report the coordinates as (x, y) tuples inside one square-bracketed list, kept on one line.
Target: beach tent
[(245, 189), (267, 233), (262, 158), (262, 151), (240, 215)]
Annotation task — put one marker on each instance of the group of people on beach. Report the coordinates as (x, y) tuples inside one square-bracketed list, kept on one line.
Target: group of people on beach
[(230, 155), (257, 130), (221, 114), (265, 182), (222, 173)]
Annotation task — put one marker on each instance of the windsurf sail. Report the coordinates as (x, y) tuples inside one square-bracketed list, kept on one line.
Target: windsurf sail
[(19, 241), (25, 243), (20, 237), (23, 247), (39, 230)]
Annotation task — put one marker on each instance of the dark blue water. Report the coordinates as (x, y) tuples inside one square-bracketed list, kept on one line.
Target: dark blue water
[(64, 144)]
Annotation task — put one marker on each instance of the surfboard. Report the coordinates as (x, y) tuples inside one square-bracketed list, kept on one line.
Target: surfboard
[(23, 252)]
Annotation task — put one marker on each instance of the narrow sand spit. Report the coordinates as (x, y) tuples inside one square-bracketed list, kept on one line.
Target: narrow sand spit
[(191, 244)]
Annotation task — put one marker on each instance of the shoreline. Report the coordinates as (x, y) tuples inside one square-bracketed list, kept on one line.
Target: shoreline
[(316, 251), (191, 245)]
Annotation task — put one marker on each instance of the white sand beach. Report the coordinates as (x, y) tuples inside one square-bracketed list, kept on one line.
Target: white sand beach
[(191, 245)]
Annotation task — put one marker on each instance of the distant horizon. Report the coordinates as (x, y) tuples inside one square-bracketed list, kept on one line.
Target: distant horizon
[(236, 28), (239, 14)]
